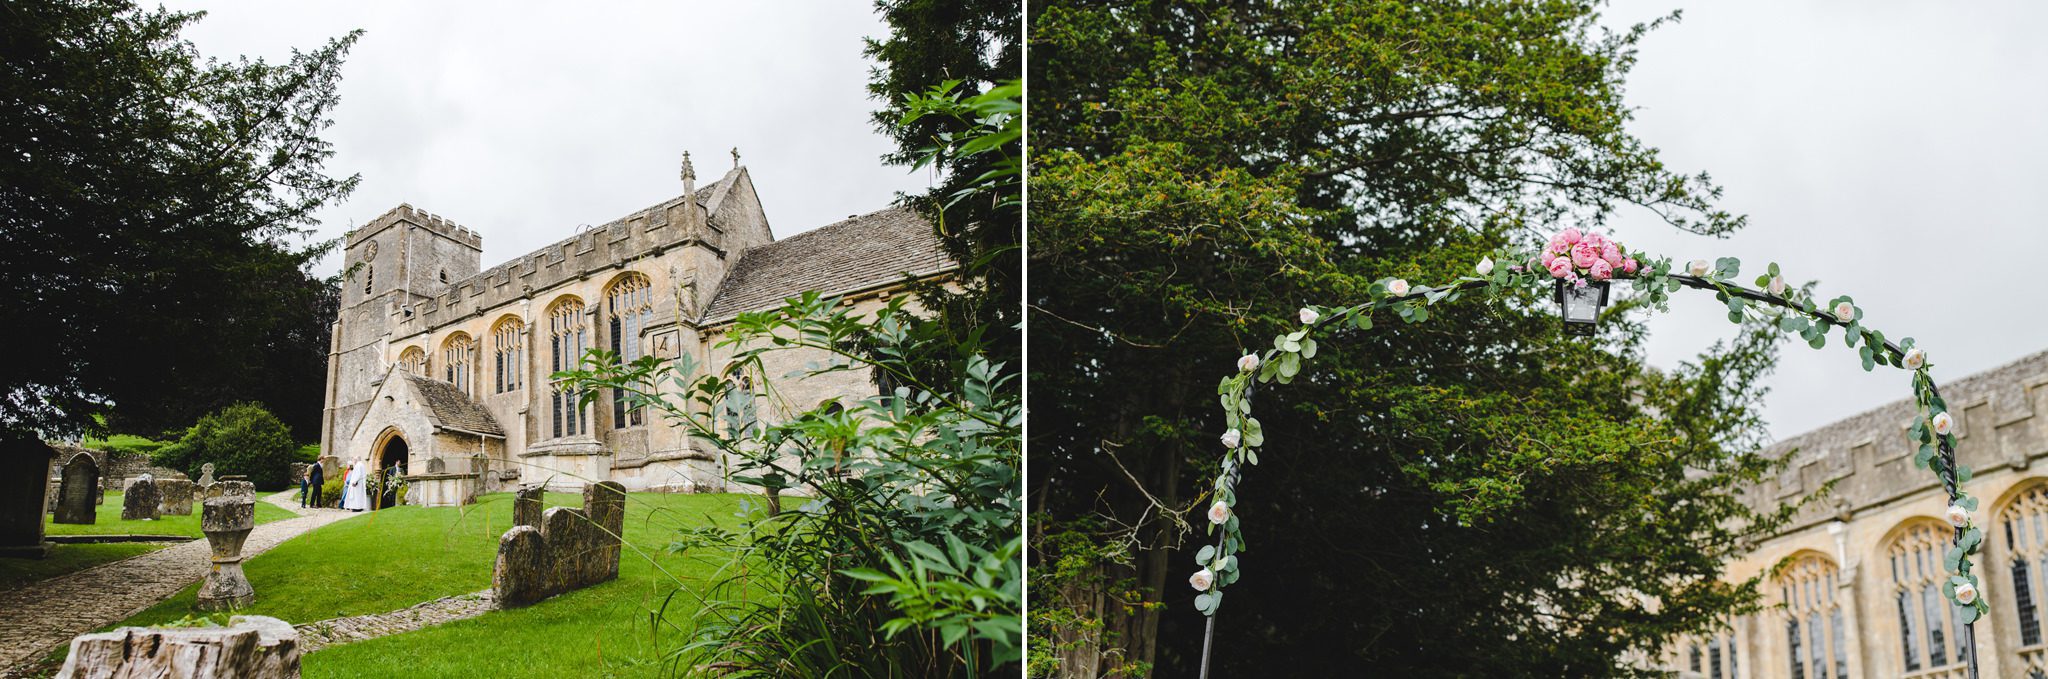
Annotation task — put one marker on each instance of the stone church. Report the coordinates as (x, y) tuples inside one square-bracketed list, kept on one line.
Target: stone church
[(1860, 591), (440, 367)]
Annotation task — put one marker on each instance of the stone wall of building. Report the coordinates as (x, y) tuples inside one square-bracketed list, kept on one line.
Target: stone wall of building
[(1867, 538)]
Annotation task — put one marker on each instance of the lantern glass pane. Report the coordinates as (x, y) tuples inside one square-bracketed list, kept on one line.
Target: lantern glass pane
[(1581, 305)]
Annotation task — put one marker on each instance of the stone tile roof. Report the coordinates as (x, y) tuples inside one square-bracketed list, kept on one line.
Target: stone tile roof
[(452, 408), (855, 254)]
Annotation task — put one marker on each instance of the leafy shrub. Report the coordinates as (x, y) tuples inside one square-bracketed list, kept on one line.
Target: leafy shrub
[(905, 561), (243, 438), (330, 490)]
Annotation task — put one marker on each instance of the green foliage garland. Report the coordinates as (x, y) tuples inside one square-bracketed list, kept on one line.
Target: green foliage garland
[(1932, 430)]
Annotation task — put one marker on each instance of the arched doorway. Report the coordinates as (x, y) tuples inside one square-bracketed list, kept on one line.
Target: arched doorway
[(391, 460)]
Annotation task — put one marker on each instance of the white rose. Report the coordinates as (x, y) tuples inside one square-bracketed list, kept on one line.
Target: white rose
[(1778, 285), (1486, 266), (1845, 311), (1219, 512), (1915, 358), (1398, 287), (1248, 363), (1966, 593), (1958, 516), (1201, 580), (1943, 424), (1699, 267), (1230, 438), (1309, 315)]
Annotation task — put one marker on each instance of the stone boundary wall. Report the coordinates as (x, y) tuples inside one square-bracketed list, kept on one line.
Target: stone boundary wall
[(571, 549)]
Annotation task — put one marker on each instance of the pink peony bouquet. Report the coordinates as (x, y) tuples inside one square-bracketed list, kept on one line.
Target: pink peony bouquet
[(1578, 257)]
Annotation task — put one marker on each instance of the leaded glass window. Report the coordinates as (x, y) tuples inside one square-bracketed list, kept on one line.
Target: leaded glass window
[(629, 305), (568, 337), (508, 355), (455, 360), (1817, 645), (413, 360), (1929, 632)]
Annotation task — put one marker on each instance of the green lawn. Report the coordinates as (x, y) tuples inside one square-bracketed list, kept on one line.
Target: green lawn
[(394, 558), (68, 559), (126, 443), (108, 521)]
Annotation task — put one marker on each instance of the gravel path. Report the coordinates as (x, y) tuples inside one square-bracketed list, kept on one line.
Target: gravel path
[(45, 615), (314, 636)]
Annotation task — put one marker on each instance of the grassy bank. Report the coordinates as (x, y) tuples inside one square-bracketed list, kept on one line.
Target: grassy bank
[(107, 521)]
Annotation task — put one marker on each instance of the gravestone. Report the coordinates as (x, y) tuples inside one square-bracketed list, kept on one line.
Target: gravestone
[(526, 505), (206, 474), (573, 548), (252, 647), (78, 490), (139, 501), (174, 497), (227, 520), (436, 466), (24, 479)]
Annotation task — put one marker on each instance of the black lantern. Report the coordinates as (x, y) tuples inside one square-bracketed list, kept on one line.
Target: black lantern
[(1580, 305)]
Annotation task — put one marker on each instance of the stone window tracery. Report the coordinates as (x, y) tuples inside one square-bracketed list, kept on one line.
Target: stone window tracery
[(2023, 525), (1929, 626), (413, 360), (508, 354), (1817, 646), (568, 337), (629, 306), (455, 360)]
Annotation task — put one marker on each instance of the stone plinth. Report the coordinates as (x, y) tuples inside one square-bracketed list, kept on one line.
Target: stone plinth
[(140, 501), (250, 647), (79, 491), (24, 479), (573, 548), (227, 520), (174, 496)]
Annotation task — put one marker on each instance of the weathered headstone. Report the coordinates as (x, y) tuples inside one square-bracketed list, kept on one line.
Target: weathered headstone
[(206, 474), (76, 495), (140, 500), (174, 496), (573, 548), (24, 479), (227, 520), (526, 505), (251, 646)]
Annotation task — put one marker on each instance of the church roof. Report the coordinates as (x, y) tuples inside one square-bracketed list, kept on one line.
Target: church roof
[(452, 408), (856, 254)]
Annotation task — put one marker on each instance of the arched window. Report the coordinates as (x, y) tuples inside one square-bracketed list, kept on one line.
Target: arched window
[(413, 360), (629, 305), (567, 339), (508, 355), (1713, 657), (455, 357), (1929, 626), (1817, 643), (736, 407), (2024, 526)]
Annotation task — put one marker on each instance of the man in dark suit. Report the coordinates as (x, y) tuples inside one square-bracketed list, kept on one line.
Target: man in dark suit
[(315, 476)]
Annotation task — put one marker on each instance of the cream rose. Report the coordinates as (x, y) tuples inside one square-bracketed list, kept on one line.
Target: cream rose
[(1248, 363), (1778, 285), (1202, 579), (1309, 315), (1845, 311), (1699, 267), (1943, 424), (1958, 516), (1966, 594), (1219, 512), (1230, 438), (1398, 287), (1915, 358), (1486, 266)]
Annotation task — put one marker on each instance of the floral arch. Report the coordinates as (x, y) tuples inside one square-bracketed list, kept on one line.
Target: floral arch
[(1579, 269)]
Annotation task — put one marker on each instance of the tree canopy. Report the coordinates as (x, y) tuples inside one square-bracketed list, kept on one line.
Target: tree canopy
[(1201, 170), (154, 206)]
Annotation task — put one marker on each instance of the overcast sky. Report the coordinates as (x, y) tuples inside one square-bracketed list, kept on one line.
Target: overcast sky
[(523, 121), (1892, 150)]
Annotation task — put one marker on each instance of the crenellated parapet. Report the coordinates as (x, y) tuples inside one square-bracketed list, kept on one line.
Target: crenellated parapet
[(405, 212), (1870, 460)]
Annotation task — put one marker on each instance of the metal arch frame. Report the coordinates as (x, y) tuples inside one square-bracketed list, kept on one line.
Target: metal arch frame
[(1946, 471)]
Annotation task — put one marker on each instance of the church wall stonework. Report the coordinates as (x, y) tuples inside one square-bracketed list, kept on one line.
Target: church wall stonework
[(688, 249), (1877, 498)]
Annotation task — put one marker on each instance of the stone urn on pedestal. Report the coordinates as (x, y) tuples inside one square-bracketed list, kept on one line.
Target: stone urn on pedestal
[(227, 520)]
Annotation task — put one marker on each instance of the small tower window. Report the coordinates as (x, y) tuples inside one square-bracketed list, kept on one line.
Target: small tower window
[(444, 275), (369, 278)]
